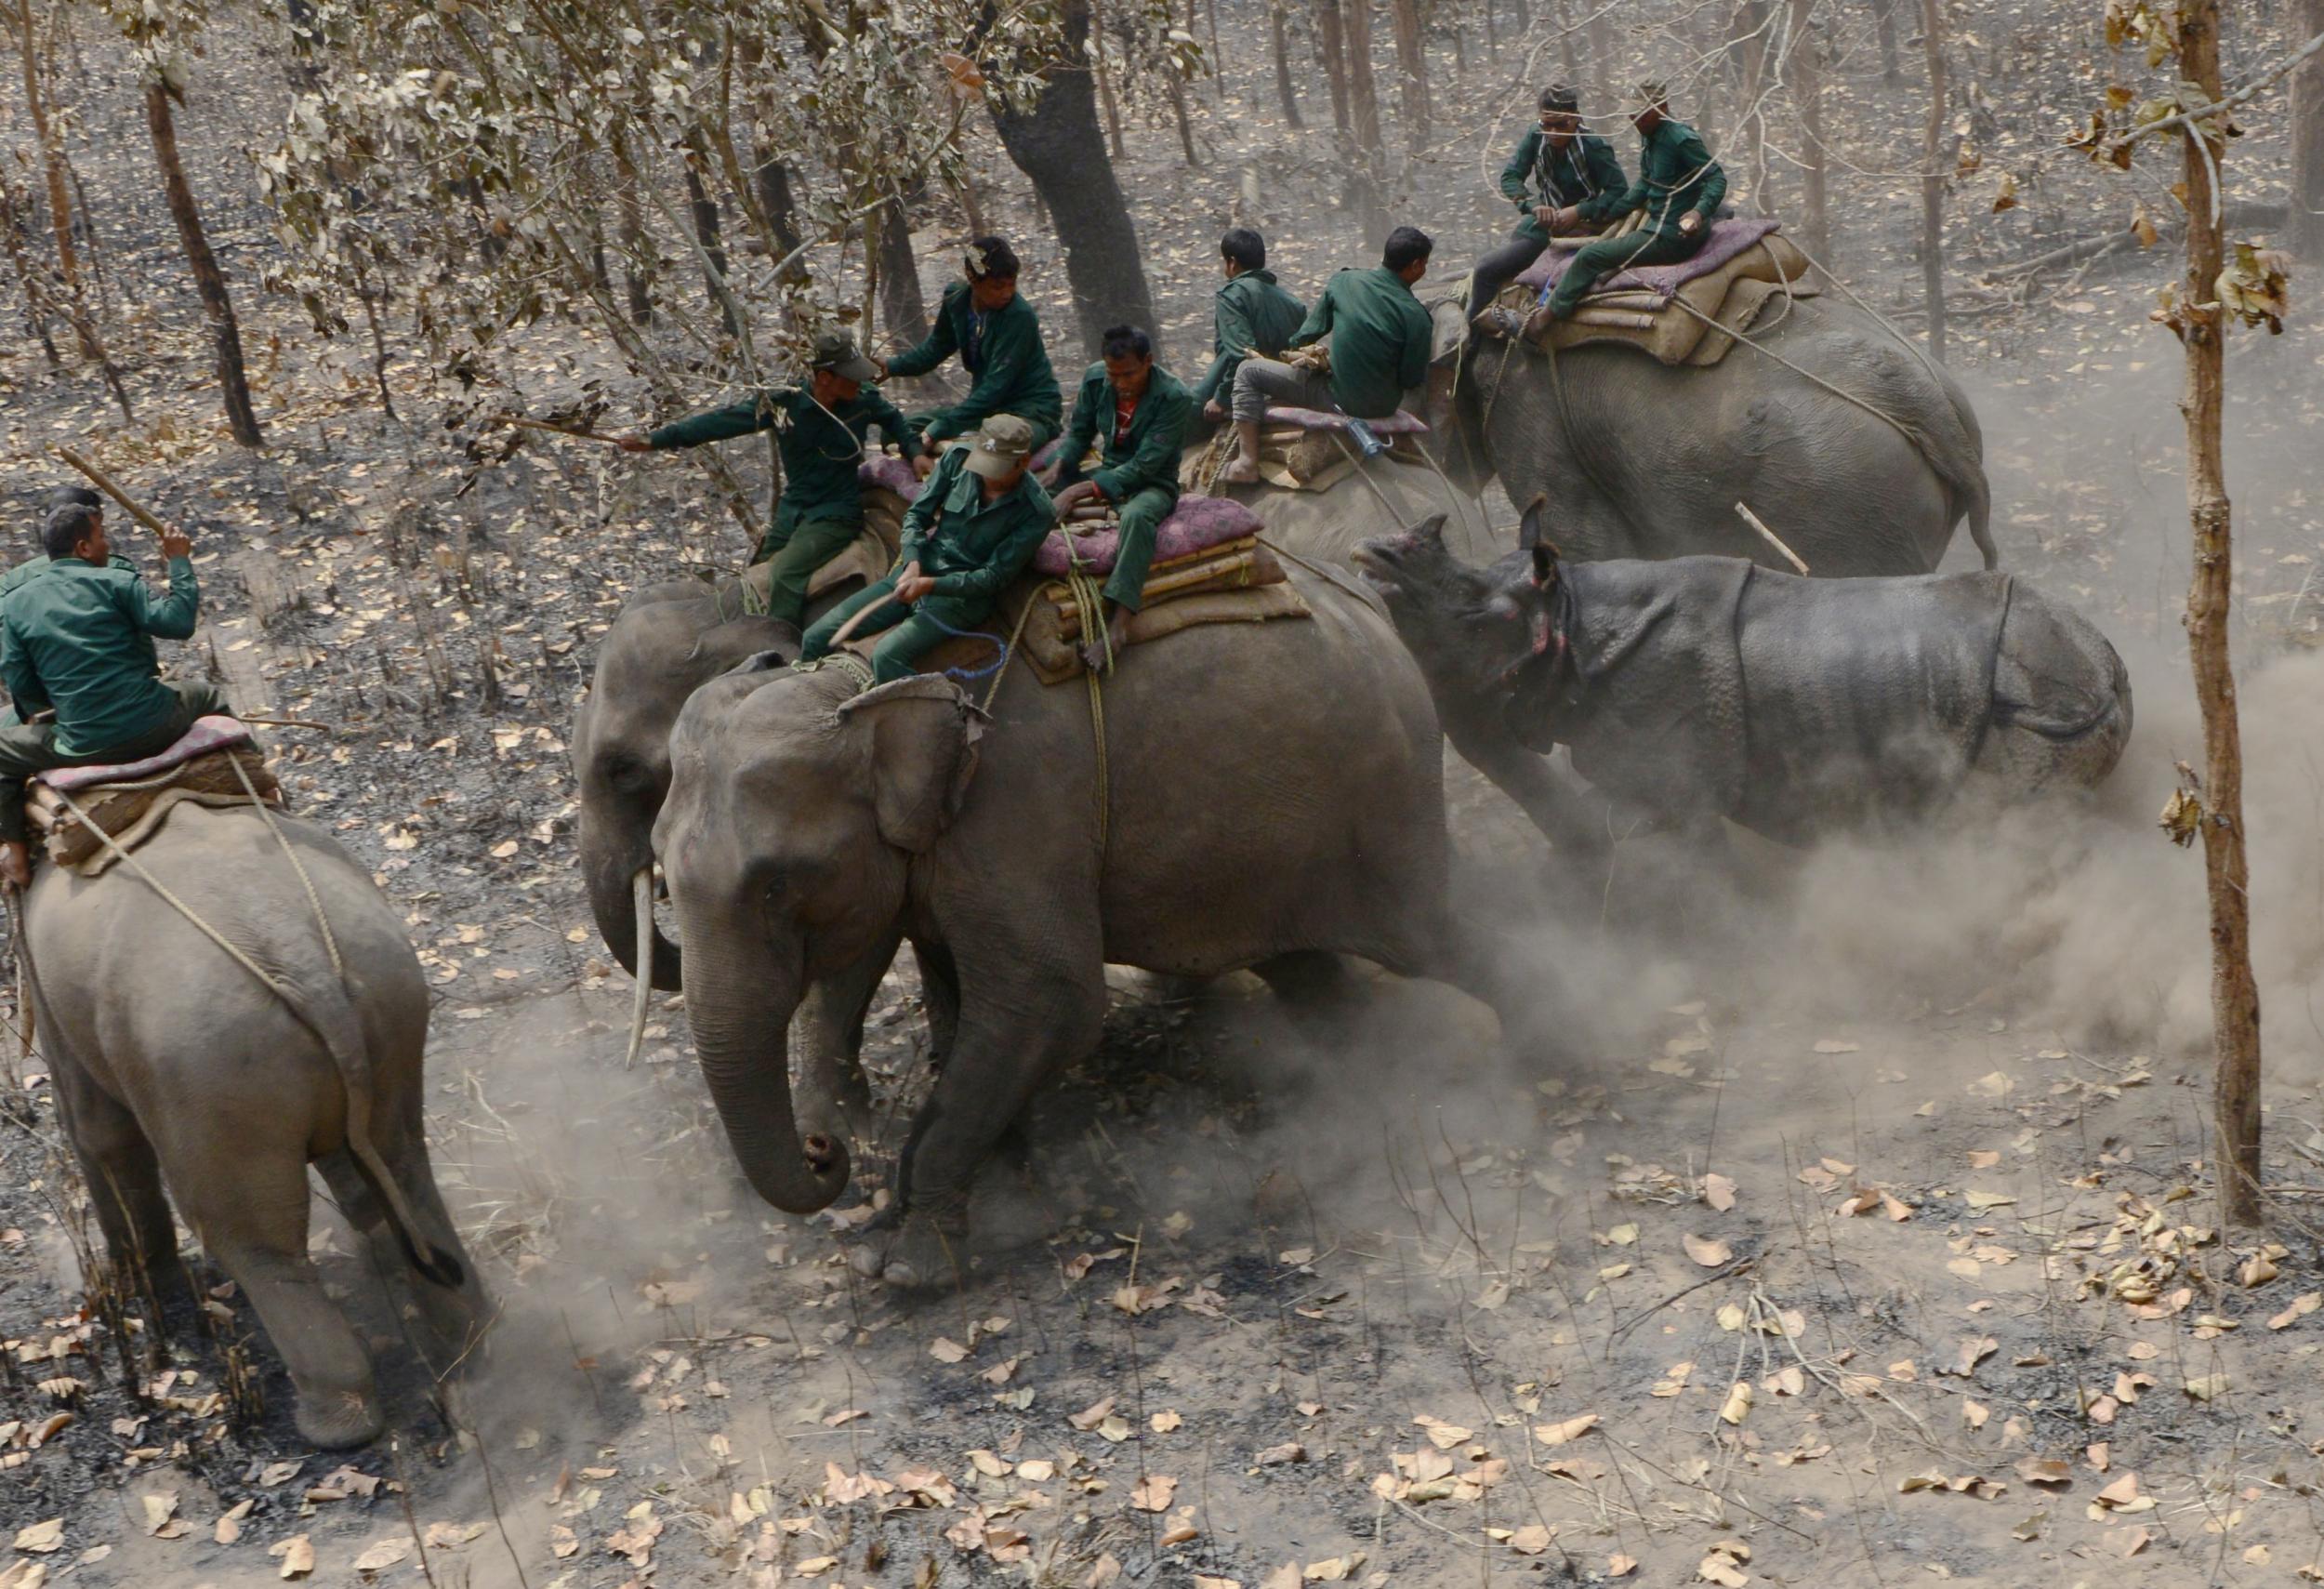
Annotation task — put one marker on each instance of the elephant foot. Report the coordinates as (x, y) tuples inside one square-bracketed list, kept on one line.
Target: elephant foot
[(928, 1254), (337, 1421)]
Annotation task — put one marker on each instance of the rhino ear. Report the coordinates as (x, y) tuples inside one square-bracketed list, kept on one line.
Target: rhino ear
[(1428, 532), (1544, 566)]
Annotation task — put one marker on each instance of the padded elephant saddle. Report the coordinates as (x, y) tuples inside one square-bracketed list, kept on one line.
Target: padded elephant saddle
[(1686, 313), (127, 801), (1306, 449)]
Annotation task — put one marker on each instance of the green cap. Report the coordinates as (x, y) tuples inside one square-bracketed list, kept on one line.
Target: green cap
[(836, 352), (1004, 443)]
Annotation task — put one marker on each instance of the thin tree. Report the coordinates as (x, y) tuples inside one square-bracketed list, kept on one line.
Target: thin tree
[(1284, 89), (1803, 66), (1932, 175), (1105, 78), (1362, 91), (1884, 25), (1411, 71), (2307, 140), (209, 280), (1331, 46)]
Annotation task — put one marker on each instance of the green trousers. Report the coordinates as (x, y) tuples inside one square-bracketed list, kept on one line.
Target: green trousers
[(1141, 517), (30, 748), (905, 632), (796, 545), (1595, 260)]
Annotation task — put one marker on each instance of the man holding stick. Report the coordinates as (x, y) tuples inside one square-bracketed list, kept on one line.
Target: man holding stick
[(79, 638), (820, 430)]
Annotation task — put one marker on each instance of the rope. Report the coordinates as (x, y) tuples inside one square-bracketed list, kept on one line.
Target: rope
[(1364, 475), (1821, 269), (1918, 443), (1086, 592), (315, 901), (965, 675)]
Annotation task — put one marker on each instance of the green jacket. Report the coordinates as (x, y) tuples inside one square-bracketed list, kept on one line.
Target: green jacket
[(1158, 430), (1676, 176), (31, 567), (1002, 351), (820, 447), (1381, 340), (972, 549), (1584, 174), (80, 639), (1253, 315)]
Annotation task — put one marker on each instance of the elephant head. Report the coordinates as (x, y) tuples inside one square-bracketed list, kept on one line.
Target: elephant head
[(794, 817), (667, 641)]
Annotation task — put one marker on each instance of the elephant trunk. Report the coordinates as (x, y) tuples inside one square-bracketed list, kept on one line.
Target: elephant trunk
[(610, 865), (741, 1005)]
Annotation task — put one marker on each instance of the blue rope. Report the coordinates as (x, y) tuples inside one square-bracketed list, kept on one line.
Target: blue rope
[(966, 675)]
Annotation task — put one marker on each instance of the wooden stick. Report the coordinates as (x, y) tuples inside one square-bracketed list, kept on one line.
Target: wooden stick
[(104, 483), (582, 432), (286, 723), (1772, 538)]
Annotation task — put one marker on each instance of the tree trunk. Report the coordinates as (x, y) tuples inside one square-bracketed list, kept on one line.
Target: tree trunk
[(1884, 25), (1334, 50), (52, 153), (1178, 108), (1932, 175), (1602, 85), (773, 180), (1105, 79), (2234, 998), (1807, 71), (1284, 89), (1751, 17), (13, 226), (703, 210), (2307, 140), (208, 280), (1411, 72), (1362, 91), (900, 301), (1060, 147)]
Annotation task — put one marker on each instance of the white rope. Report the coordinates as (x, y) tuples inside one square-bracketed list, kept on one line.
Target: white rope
[(315, 901)]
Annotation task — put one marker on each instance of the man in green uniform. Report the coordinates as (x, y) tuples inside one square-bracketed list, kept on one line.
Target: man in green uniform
[(1381, 340), (998, 339), (1253, 315), (1578, 181), (973, 527), (1680, 187), (1137, 416), (62, 496), (79, 638), (820, 431)]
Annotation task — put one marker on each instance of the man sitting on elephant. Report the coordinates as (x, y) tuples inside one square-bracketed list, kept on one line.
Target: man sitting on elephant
[(79, 638), (820, 430), (1580, 182), (1680, 187), (998, 339), (1142, 413), (972, 529), (1253, 315), (1380, 347)]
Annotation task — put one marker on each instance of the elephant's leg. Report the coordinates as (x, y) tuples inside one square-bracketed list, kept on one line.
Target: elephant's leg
[(939, 996), (1314, 987), (124, 1181), (834, 1098), (249, 1207), (1010, 1039)]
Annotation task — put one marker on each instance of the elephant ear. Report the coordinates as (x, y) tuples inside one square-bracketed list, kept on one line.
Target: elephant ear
[(924, 734)]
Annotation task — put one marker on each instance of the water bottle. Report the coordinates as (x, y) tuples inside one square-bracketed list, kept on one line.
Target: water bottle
[(1368, 441)]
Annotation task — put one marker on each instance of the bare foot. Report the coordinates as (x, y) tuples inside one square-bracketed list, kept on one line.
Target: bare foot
[(1241, 471)]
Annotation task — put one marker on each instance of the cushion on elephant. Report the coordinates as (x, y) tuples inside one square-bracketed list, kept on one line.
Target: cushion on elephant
[(1397, 424), (213, 733), (1196, 524), (1695, 325), (129, 808), (1729, 241), (887, 472)]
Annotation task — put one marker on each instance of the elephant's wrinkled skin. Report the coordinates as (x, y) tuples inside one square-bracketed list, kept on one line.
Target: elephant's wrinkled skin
[(1698, 688), (1647, 460), (172, 1062), (1275, 795)]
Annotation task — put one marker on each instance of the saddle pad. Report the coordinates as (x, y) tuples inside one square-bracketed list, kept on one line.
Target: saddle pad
[(888, 473), (1239, 565), (1400, 423), (1732, 295), (1196, 524), (1728, 241), (129, 813), (208, 733)]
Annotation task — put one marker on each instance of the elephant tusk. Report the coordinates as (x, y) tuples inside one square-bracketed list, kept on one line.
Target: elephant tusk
[(642, 895)]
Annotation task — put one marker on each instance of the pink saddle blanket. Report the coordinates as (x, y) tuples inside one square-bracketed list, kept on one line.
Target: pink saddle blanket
[(1397, 424), (1729, 240), (1197, 523), (208, 733), (888, 473)]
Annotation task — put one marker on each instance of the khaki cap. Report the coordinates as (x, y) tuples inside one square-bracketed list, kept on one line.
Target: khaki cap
[(1004, 443), (836, 352)]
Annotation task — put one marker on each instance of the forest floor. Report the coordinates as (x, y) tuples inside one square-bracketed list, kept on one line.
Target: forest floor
[(1867, 1234)]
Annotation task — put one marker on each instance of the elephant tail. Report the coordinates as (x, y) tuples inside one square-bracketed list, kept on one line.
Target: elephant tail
[(1981, 518), (340, 1028)]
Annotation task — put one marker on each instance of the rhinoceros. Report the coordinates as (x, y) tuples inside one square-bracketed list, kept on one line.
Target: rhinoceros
[(1703, 687)]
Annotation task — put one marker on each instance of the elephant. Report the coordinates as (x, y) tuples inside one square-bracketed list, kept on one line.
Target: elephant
[(1858, 450), (1378, 498), (1272, 796), (173, 1062), (1700, 687)]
